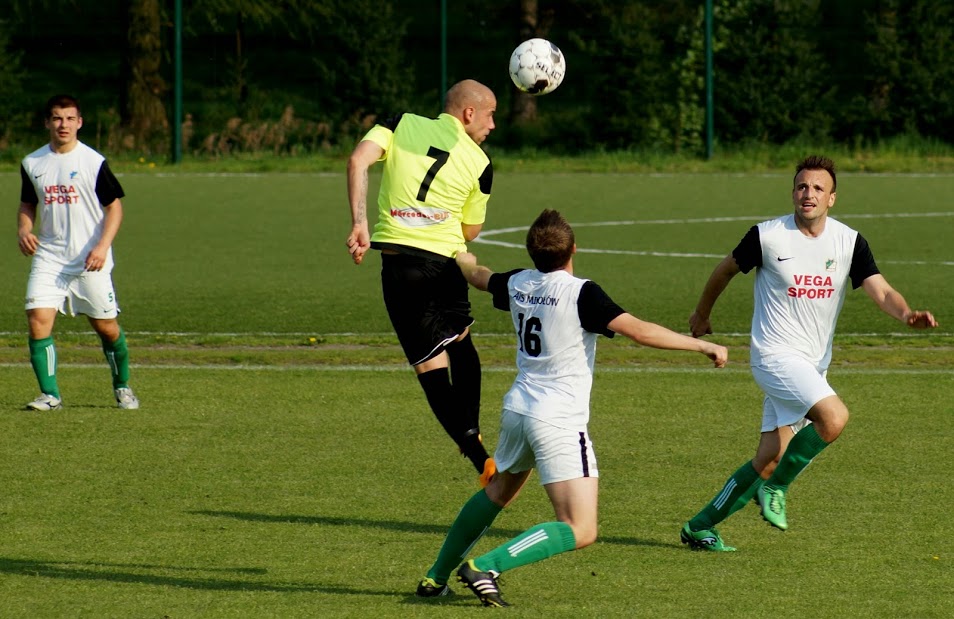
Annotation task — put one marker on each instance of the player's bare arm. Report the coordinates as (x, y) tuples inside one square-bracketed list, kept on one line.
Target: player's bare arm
[(26, 216), (656, 336), (476, 275), (96, 258), (470, 231), (363, 157), (699, 324), (892, 303)]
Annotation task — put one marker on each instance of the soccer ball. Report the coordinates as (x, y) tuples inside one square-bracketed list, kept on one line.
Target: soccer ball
[(537, 66)]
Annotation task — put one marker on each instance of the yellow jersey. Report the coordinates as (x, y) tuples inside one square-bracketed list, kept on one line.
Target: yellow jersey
[(435, 179)]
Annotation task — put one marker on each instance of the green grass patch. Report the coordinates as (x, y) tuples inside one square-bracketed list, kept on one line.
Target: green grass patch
[(902, 154), (240, 493), (265, 253), (285, 463)]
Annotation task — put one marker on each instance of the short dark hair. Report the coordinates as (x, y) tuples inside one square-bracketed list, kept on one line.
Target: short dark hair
[(550, 241), (818, 162), (61, 101)]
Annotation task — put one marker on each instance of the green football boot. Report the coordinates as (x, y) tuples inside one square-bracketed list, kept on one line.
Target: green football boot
[(430, 588), (706, 539), (772, 502)]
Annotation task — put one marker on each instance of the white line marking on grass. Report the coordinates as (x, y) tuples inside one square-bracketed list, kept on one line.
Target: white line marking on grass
[(347, 334), (483, 238), (233, 174), (495, 369)]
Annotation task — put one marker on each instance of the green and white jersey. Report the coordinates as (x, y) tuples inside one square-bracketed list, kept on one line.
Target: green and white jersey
[(800, 285), (70, 190), (435, 179)]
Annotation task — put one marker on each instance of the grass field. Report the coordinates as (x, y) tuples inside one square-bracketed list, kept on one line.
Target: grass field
[(285, 464)]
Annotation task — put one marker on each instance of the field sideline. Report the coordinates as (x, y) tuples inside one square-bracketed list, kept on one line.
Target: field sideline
[(285, 464)]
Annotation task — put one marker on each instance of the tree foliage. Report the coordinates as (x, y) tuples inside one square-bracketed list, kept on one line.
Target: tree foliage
[(143, 110), (303, 74), (11, 85), (910, 73)]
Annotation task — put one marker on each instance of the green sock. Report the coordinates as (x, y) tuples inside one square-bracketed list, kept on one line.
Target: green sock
[(43, 360), (117, 355), (723, 504), (537, 543), (804, 446), (472, 522), (745, 497)]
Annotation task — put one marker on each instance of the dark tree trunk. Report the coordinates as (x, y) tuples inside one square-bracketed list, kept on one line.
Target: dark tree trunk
[(144, 120), (533, 24), (241, 83), (523, 107)]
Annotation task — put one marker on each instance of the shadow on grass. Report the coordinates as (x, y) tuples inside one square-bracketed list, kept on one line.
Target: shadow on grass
[(130, 574), (405, 527)]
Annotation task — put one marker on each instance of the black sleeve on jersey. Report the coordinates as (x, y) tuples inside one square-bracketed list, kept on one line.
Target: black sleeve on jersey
[(108, 188), (27, 190), (748, 253), (597, 309), (497, 286), (391, 122), (862, 263), (487, 178)]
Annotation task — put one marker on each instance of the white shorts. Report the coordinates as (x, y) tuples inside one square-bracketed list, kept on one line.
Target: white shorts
[(90, 292), (558, 454), (792, 386)]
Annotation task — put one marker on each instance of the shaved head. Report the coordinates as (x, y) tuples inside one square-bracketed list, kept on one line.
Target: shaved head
[(473, 104), (468, 93)]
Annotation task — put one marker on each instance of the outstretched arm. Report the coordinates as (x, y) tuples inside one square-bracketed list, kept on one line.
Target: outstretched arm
[(699, 323), (363, 157), (476, 275), (892, 303), (657, 336)]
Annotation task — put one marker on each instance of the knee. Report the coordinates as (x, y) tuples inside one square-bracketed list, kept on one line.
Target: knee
[(40, 326), (500, 492), (832, 429), (584, 535), (107, 330), (830, 422)]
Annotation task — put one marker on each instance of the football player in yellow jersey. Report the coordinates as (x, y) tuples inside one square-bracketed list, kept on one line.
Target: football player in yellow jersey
[(433, 199)]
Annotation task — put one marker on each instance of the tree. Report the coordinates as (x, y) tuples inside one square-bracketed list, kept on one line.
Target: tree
[(523, 106), (633, 89), (908, 70), (774, 87), (358, 67), (294, 17), (11, 85), (142, 102)]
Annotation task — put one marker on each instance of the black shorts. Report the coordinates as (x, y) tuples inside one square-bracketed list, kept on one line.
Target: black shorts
[(427, 303)]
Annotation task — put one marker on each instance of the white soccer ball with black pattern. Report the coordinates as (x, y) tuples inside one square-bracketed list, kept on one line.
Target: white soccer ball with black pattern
[(537, 66)]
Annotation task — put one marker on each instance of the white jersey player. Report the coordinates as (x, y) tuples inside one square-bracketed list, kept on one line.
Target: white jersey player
[(557, 318), (804, 265), (555, 363), (800, 285), (69, 187)]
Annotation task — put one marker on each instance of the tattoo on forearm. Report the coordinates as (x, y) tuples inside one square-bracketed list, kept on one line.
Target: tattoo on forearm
[(361, 208)]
